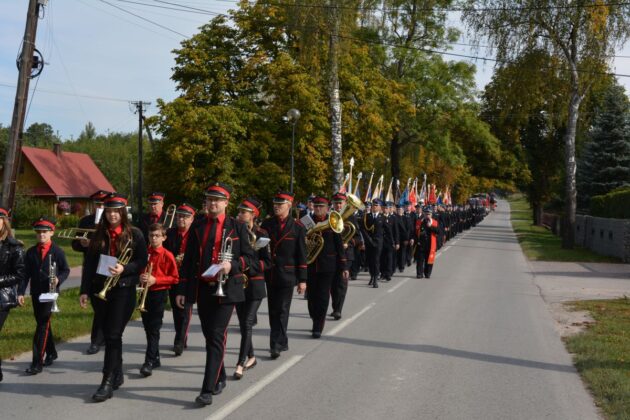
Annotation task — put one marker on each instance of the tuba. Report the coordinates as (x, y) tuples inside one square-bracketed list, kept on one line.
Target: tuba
[(314, 238), (353, 203)]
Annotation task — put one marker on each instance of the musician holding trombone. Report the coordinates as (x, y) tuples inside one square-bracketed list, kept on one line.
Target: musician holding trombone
[(46, 268), (217, 254), (156, 213), (117, 292)]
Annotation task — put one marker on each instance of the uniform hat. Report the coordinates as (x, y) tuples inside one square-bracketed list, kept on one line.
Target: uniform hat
[(311, 198), (219, 190), (427, 210), (377, 202), (283, 197), (115, 201), (301, 206), (368, 203), (156, 197), (251, 204), (399, 206), (44, 223), (99, 196), (389, 204), (339, 197), (186, 209), (321, 201), (3, 212)]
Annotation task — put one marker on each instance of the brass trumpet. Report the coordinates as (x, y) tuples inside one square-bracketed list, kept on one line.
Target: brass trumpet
[(225, 255), (75, 233), (314, 238), (145, 292), (170, 216), (112, 281)]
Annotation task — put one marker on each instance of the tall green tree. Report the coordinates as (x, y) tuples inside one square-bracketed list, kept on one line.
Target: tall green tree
[(582, 34)]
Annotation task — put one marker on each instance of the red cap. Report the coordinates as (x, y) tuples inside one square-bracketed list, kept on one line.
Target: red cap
[(3, 212)]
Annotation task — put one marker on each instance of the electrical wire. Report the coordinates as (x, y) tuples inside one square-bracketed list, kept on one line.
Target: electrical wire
[(145, 19)]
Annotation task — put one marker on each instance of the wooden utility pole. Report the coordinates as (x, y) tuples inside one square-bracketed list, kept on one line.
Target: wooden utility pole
[(140, 109), (19, 108)]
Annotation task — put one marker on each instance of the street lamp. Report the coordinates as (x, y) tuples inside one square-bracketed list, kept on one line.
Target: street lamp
[(293, 115)]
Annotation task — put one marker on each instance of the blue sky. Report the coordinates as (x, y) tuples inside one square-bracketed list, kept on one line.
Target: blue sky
[(99, 58)]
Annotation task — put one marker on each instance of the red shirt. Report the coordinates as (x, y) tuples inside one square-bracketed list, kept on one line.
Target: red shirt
[(164, 268), (155, 217), (113, 239), (43, 249), (218, 237)]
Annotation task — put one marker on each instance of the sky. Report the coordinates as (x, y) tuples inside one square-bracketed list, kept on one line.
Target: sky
[(99, 57)]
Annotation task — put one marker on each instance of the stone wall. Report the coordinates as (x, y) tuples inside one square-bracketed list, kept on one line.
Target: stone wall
[(604, 236)]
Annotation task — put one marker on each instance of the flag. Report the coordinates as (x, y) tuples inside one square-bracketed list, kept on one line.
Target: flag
[(389, 196), (368, 192), (413, 194), (345, 181), (432, 195), (423, 191)]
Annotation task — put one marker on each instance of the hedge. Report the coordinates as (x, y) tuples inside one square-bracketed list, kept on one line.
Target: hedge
[(615, 204)]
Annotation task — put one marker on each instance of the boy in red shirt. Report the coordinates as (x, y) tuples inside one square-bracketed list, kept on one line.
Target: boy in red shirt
[(163, 275)]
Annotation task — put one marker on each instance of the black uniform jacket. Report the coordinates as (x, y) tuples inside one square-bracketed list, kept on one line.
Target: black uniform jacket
[(256, 288), (288, 252), (193, 265), (145, 222), (372, 230), (332, 258), (390, 231), (11, 271), (37, 270), (173, 243), (357, 239), (93, 283)]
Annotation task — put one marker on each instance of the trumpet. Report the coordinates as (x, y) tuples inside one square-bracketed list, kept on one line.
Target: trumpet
[(75, 233), (170, 216), (314, 238), (225, 255), (52, 295), (145, 292), (112, 281)]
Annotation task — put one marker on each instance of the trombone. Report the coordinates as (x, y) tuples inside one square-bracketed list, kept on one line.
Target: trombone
[(170, 216), (112, 281), (75, 233)]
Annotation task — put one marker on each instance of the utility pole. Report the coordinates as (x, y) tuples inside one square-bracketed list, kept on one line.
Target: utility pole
[(140, 109), (25, 65)]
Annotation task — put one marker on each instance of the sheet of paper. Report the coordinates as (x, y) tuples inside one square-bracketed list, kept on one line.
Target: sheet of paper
[(261, 243), (104, 262), (307, 221), (212, 270), (48, 297)]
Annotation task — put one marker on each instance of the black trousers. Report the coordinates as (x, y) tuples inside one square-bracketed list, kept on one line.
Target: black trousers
[(422, 265), (43, 342), (181, 318), (246, 312), (373, 258), (152, 321), (116, 312), (401, 256), (338, 292), (409, 254), (279, 302), (215, 317), (318, 286), (3, 317), (97, 336), (387, 261), (355, 267)]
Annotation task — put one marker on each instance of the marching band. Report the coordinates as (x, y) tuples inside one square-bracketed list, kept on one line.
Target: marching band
[(222, 264)]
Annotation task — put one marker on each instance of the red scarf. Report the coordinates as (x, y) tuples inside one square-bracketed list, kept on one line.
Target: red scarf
[(113, 239)]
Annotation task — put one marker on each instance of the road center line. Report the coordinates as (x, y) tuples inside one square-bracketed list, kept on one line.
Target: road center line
[(255, 389), (398, 285), (348, 321)]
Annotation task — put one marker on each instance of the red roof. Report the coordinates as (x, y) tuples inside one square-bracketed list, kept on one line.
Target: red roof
[(69, 175)]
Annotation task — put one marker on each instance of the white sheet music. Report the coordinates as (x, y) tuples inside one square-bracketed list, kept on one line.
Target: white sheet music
[(307, 221), (261, 243), (212, 270), (104, 263)]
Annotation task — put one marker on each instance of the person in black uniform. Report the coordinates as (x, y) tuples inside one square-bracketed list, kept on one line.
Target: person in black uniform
[(11, 269), (372, 231), (176, 241), (37, 263), (205, 243), (339, 287), (427, 230), (390, 242), (410, 224), (255, 292), (97, 338), (288, 268), (403, 237), (156, 213), (331, 261), (114, 236)]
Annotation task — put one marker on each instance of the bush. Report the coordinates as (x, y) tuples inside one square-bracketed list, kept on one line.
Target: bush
[(68, 221), (615, 204), (27, 210)]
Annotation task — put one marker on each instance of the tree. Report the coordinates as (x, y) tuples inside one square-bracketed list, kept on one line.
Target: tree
[(605, 163), (582, 34), (40, 135)]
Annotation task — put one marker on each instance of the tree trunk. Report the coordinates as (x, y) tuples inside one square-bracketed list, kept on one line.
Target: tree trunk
[(570, 199), (537, 213), (335, 102), (394, 155)]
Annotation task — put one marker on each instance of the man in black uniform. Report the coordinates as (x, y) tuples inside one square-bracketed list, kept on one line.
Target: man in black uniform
[(288, 268), (176, 241), (328, 264), (372, 231), (390, 242), (410, 223), (97, 338), (155, 214), (403, 237), (427, 230), (203, 251)]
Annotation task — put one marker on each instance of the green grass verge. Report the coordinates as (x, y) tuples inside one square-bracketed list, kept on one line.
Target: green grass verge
[(17, 334), (539, 244), (28, 237), (602, 355)]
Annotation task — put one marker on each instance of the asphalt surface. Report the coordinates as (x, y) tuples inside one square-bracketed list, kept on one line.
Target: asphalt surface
[(476, 341)]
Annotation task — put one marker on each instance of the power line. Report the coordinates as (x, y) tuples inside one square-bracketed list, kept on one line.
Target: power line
[(55, 92), (185, 10), (188, 7), (145, 19)]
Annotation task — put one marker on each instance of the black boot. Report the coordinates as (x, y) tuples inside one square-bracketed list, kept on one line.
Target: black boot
[(1, 376), (118, 379), (106, 390)]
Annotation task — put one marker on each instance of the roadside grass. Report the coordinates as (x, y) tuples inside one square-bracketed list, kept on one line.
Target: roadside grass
[(602, 354), (17, 334), (539, 244), (28, 237)]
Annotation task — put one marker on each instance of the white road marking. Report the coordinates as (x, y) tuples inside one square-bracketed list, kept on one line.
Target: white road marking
[(398, 285), (348, 321)]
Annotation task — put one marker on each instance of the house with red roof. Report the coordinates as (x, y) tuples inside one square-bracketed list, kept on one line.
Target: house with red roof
[(57, 176)]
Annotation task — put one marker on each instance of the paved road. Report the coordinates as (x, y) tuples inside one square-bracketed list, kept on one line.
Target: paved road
[(476, 341)]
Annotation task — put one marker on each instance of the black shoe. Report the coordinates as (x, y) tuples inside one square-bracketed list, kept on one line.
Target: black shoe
[(178, 349), (238, 375), (118, 380), (105, 391), (218, 388), (316, 334), (353, 277), (427, 277), (336, 315), (50, 359), (1, 375), (388, 278), (205, 398), (33, 369), (146, 369), (375, 285), (371, 281), (275, 353), (93, 349), (419, 276)]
